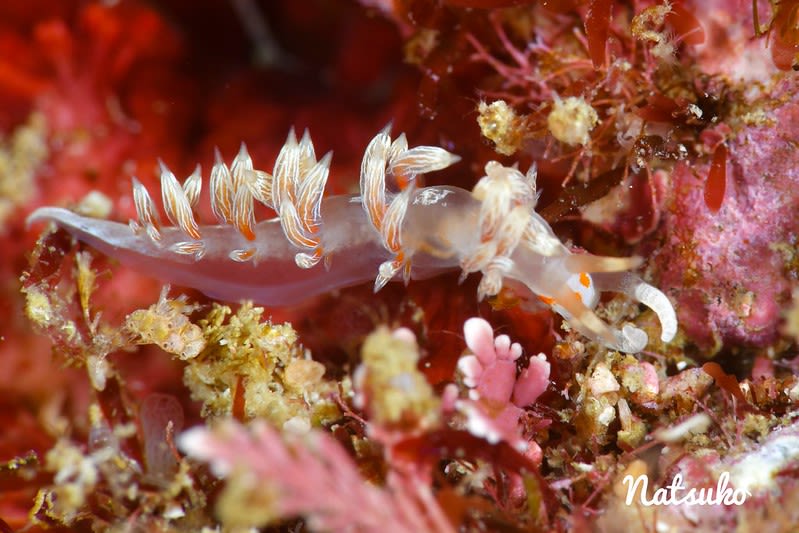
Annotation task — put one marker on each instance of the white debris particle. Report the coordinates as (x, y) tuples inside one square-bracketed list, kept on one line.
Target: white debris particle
[(571, 120)]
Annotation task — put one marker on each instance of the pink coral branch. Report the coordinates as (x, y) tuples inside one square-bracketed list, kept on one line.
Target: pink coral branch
[(496, 394)]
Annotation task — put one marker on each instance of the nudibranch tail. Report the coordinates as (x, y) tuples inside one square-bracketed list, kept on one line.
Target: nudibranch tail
[(394, 229)]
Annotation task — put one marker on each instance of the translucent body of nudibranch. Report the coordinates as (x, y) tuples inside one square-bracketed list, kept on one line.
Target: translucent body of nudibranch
[(388, 231)]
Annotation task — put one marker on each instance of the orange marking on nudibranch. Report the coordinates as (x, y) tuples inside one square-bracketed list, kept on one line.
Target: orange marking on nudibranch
[(546, 299), (242, 256), (243, 214), (304, 260), (292, 227), (585, 280), (246, 231), (392, 221), (402, 181)]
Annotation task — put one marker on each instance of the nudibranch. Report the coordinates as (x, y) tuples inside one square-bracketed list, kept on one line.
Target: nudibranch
[(393, 228)]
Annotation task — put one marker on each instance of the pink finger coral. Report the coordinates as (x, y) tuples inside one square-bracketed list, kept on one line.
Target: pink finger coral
[(496, 394)]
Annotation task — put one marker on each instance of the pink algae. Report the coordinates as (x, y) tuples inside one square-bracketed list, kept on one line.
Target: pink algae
[(731, 271)]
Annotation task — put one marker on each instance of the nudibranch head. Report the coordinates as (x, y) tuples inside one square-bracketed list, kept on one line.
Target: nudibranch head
[(516, 243)]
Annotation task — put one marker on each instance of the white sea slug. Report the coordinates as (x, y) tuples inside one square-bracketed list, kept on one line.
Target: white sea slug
[(388, 232)]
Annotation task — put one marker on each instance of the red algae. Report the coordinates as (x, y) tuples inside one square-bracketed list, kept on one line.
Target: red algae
[(716, 184), (597, 26), (784, 34), (662, 129)]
